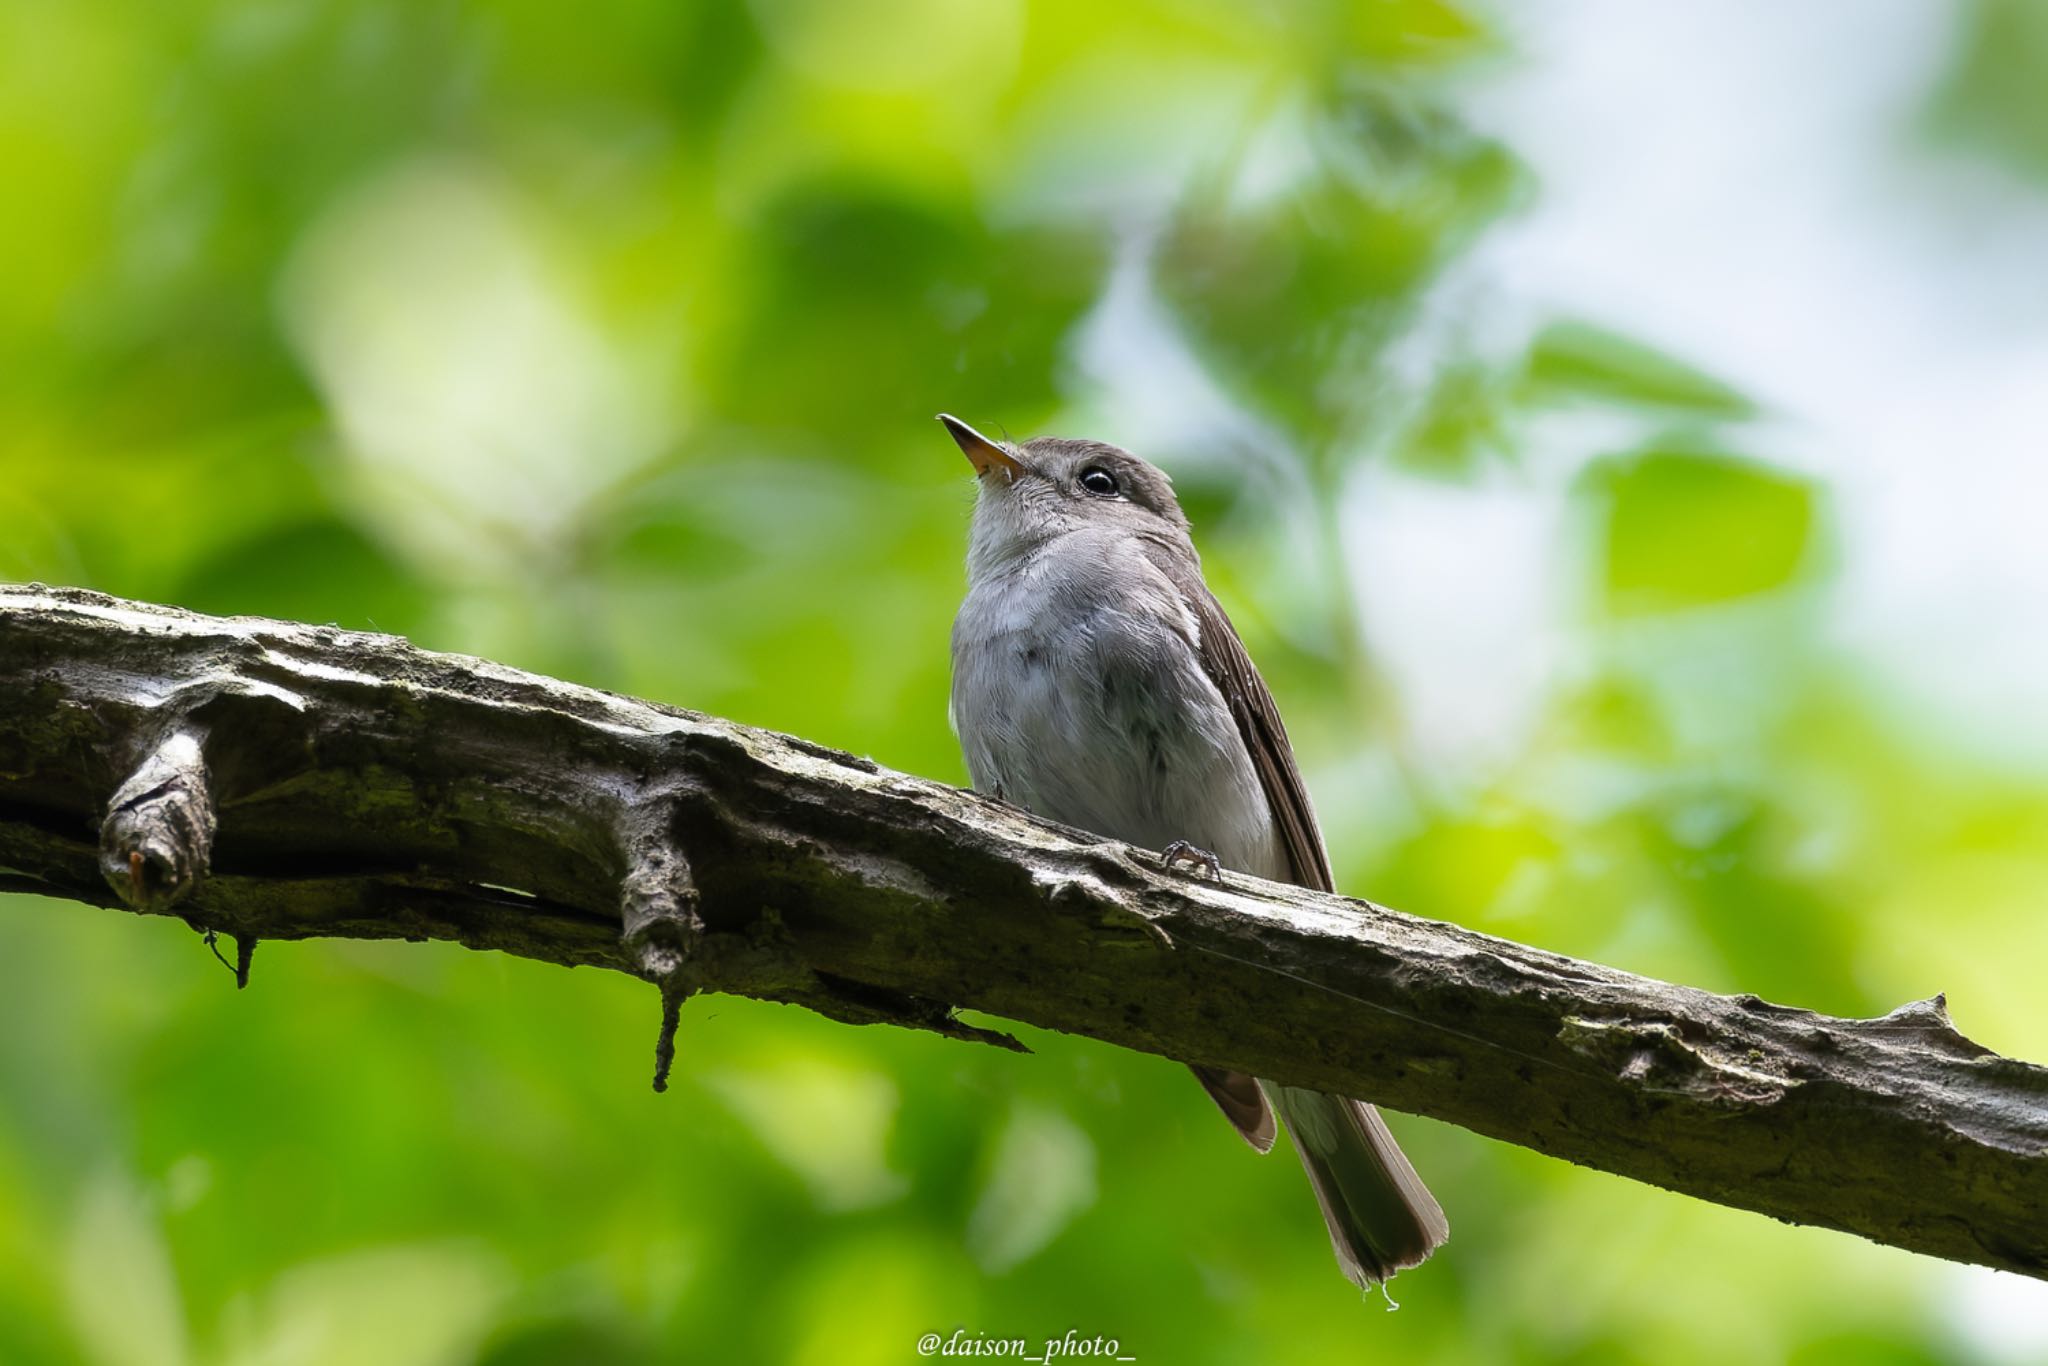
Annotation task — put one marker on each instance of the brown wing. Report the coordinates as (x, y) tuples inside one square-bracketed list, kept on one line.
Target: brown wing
[(1223, 656), (1258, 719), (1243, 1102), (1381, 1217)]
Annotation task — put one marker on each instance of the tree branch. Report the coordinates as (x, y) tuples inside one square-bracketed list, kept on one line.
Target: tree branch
[(274, 781)]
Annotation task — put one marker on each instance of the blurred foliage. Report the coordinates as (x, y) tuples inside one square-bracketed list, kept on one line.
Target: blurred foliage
[(1687, 528), (1296, 296), (1995, 98), (1577, 360), (605, 341)]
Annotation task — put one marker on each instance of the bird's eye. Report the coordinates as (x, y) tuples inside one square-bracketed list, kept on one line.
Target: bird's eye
[(1099, 481)]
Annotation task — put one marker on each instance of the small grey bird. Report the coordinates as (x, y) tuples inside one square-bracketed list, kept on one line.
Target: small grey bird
[(1097, 682)]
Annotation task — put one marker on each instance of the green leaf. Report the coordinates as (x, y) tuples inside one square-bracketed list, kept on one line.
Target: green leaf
[(1685, 529), (1993, 99), (1575, 360), (1463, 420), (1395, 32)]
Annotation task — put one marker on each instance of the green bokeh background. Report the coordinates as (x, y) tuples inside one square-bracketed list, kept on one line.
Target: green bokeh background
[(604, 340)]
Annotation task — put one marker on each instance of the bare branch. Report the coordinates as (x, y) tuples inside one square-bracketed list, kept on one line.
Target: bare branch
[(364, 788)]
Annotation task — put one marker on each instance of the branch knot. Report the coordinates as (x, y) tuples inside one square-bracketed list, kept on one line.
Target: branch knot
[(658, 920), (157, 838)]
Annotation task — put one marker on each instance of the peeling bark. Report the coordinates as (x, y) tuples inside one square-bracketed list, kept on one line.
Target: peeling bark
[(267, 780)]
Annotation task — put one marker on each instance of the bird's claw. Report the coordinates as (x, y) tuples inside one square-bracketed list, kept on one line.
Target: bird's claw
[(1180, 851)]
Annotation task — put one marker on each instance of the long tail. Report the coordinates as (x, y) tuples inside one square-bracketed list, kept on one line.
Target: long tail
[(1381, 1217)]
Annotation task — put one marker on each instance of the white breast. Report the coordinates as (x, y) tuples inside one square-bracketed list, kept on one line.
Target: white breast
[(1080, 696)]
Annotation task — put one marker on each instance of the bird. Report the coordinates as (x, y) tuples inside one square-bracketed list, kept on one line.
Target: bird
[(1097, 682)]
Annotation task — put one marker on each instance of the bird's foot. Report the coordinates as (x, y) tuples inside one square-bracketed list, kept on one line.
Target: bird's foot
[(1180, 851)]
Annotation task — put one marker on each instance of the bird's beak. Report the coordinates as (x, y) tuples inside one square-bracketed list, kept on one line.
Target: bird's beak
[(985, 454)]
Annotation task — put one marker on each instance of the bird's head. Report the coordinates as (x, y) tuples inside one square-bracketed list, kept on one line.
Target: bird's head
[(1035, 491)]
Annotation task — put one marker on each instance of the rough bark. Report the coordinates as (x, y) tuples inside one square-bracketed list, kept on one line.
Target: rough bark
[(274, 781)]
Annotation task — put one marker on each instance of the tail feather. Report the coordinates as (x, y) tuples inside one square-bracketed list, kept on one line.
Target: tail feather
[(1381, 1217)]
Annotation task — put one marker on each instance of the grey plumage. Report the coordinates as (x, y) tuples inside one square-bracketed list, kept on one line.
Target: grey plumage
[(1096, 681)]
